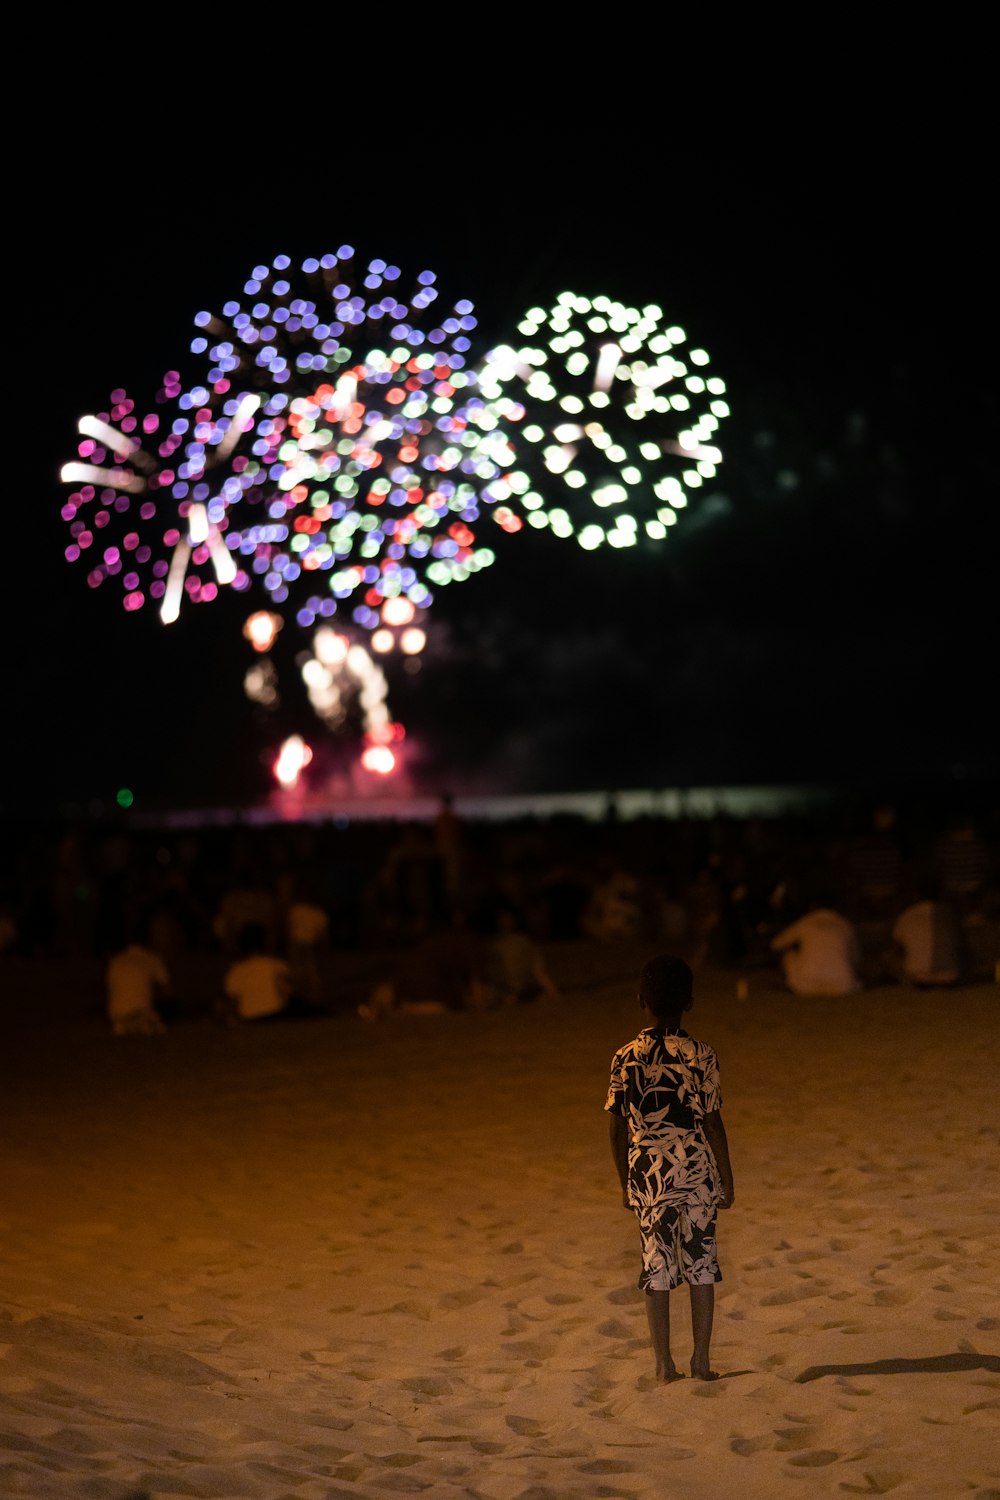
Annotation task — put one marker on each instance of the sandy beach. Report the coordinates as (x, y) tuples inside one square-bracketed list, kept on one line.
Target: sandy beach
[(342, 1259)]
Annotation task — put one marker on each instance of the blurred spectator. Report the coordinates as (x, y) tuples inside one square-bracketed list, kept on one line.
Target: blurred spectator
[(439, 972), (928, 938), (614, 910), (449, 845), (137, 978), (703, 903), (737, 917), (981, 934), (412, 882), (513, 969), (247, 903), (820, 954), (172, 922), (962, 861), (670, 918), (258, 985), (307, 929), (873, 868)]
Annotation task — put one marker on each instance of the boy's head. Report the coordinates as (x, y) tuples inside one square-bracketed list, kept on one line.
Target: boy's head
[(666, 988)]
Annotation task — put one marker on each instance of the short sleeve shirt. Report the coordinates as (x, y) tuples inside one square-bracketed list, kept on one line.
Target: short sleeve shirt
[(259, 985), (132, 978), (664, 1084)]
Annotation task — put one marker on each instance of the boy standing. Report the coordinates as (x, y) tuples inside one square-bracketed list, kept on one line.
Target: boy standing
[(670, 1150)]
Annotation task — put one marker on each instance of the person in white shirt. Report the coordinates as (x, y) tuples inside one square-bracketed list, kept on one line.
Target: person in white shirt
[(927, 937), (135, 977), (820, 954), (258, 986), (513, 970)]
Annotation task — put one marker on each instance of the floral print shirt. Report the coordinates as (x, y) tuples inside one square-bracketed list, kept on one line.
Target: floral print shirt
[(663, 1084)]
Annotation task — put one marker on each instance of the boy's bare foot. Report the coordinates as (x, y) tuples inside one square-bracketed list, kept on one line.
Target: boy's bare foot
[(702, 1372), (669, 1374)]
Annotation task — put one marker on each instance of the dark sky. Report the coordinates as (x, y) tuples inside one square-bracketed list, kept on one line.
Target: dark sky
[(841, 627)]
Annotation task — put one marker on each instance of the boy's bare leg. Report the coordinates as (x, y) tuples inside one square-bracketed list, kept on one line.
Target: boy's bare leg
[(702, 1314), (658, 1318)]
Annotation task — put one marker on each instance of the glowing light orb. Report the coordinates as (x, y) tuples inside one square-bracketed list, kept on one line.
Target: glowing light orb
[(261, 629), (618, 423), (292, 760), (378, 758), (412, 641), (260, 683)]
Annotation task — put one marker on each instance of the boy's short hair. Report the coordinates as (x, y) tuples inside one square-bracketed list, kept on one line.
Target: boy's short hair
[(666, 986)]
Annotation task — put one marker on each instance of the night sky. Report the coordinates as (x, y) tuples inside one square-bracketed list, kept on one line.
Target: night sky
[(830, 617)]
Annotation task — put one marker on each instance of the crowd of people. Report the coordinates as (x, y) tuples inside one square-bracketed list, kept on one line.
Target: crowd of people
[(460, 913)]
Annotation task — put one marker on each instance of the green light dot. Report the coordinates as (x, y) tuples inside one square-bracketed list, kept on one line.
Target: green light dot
[(124, 797)]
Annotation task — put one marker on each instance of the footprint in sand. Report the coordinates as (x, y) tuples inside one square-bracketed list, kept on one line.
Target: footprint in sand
[(877, 1483), (399, 1460), (525, 1426), (614, 1328), (747, 1446), (428, 1385), (816, 1458), (464, 1298), (892, 1296), (622, 1295), (791, 1439)]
